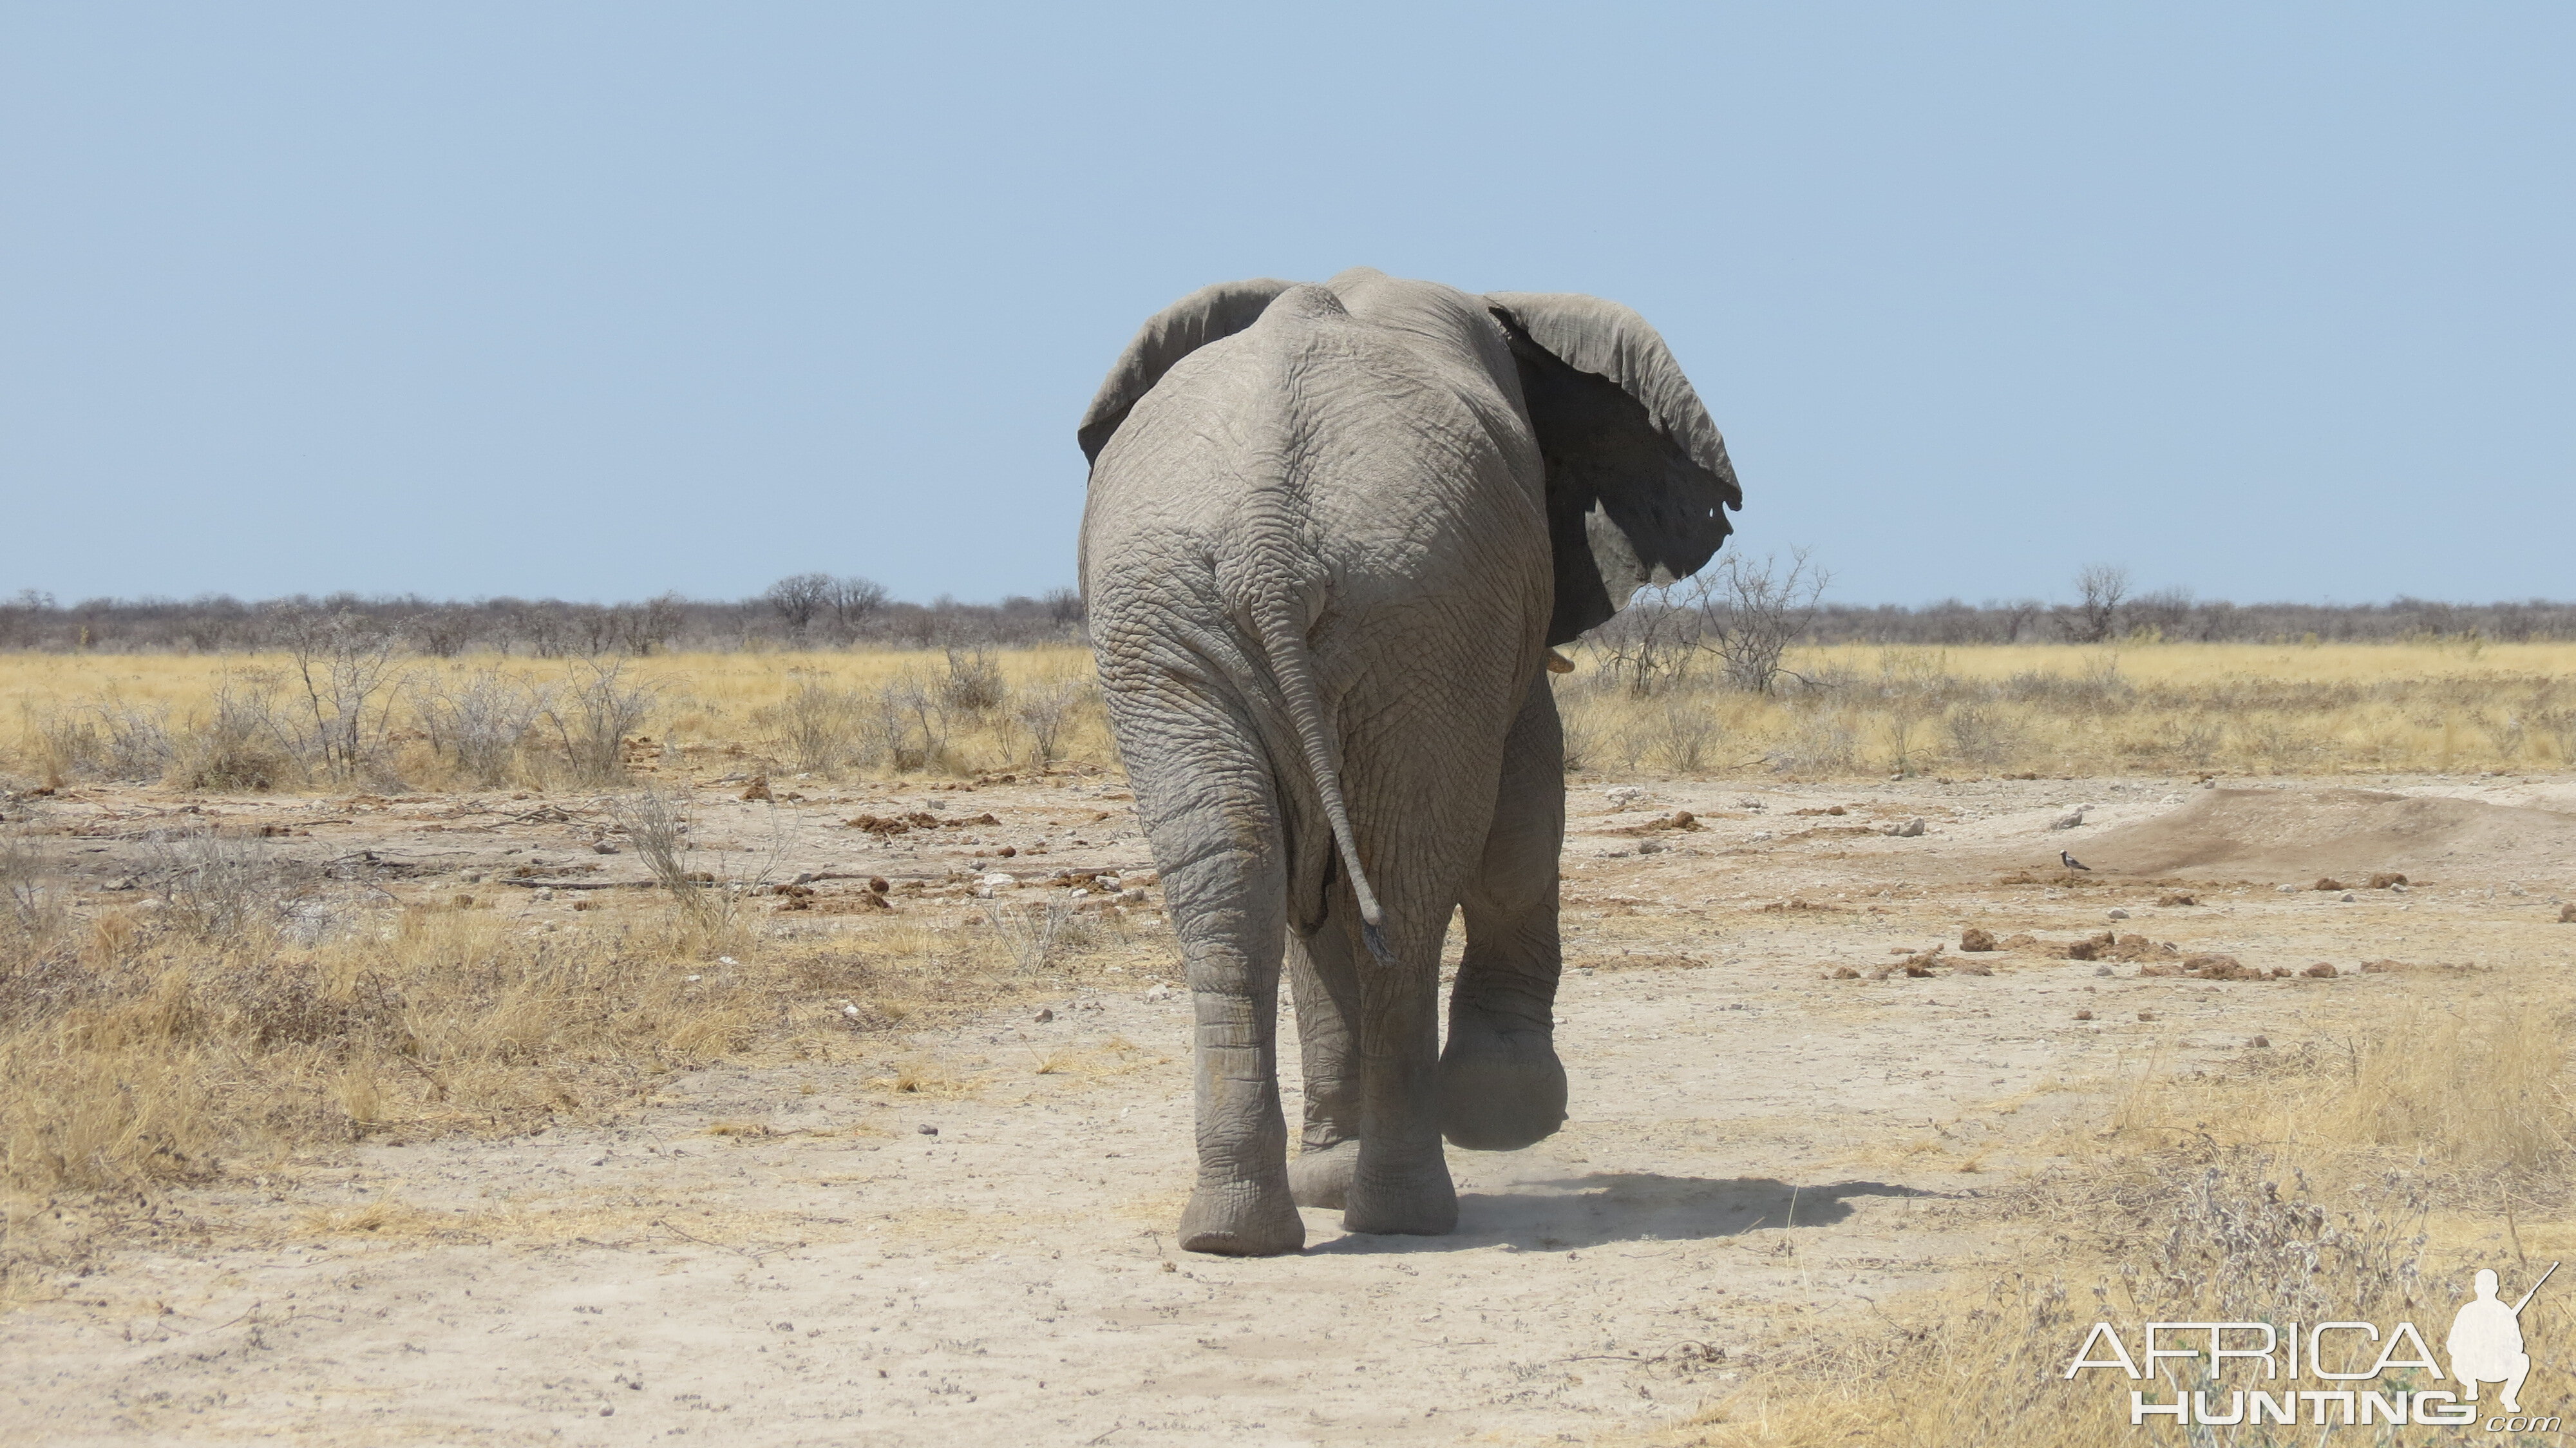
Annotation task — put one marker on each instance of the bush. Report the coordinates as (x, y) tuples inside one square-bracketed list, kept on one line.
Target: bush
[(593, 715), (973, 684), (822, 726), (1045, 710), (240, 745), (223, 890), (478, 725)]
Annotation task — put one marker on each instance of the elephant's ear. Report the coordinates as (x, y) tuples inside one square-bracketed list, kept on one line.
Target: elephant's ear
[(1637, 476), (1168, 336)]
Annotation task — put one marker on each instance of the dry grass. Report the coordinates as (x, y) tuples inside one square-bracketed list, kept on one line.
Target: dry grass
[(141, 1050), (240, 722), (2363, 1180), (246, 1010), (218, 722), (2161, 708)]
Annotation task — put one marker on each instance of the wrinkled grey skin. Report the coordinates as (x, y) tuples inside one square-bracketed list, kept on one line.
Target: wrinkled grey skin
[(1331, 532)]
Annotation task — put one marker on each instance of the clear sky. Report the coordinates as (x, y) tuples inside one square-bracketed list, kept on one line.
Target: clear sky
[(595, 300)]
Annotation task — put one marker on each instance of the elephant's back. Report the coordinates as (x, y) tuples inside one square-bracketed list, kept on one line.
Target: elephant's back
[(1390, 453)]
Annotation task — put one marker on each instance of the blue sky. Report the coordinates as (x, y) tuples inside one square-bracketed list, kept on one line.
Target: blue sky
[(596, 300)]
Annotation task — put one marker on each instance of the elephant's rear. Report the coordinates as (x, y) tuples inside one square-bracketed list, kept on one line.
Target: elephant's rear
[(1319, 524)]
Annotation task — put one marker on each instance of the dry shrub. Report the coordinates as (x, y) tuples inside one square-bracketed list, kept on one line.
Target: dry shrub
[(599, 705), (343, 683), (1980, 735), (973, 684), (219, 889), (33, 909), (1820, 740), (479, 725), (106, 738), (823, 727), (708, 908), (908, 726), (1033, 935), (1046, 711), (238, 742)]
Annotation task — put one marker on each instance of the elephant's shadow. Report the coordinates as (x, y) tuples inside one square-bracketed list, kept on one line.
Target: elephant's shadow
[(1603, 1207)]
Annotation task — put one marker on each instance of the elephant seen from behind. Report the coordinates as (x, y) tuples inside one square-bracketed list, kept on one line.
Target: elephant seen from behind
[(1332, 532)]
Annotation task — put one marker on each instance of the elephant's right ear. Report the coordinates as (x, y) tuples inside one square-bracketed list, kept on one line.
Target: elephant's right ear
[(1168, 336), (1638, 482)]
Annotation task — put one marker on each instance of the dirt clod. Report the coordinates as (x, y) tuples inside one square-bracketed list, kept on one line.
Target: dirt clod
[(2320, 971), (1974, 938)]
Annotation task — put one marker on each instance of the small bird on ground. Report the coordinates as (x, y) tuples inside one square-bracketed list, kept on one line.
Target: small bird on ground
[(2072, 863)]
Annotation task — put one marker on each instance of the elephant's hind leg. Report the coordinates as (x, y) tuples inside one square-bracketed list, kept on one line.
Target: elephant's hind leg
[(1400, 1179), (1501, 1085), (1323, 979), (1207, 797)]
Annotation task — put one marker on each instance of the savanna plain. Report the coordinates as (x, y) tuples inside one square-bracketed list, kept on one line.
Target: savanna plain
[(782, 1048)]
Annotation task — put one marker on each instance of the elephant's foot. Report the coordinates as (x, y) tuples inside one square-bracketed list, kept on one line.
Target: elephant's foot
[(1242, 1219), (1419, 1202), (1321, 1176), (1500, 1090)]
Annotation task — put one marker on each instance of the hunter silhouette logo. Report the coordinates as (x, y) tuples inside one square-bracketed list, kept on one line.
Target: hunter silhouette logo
[(2348, 1359), (2486, 1341)]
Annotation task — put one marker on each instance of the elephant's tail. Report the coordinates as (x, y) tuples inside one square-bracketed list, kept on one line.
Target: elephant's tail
[(1294, 667)]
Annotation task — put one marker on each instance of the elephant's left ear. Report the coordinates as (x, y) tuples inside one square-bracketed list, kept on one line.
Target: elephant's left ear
[(1168, 336), (1638, 482)]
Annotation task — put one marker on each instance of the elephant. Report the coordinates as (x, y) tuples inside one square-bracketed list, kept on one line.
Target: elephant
[(1331, 536)]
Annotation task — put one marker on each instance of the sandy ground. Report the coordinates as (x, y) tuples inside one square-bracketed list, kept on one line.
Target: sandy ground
[(800, 1254)]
